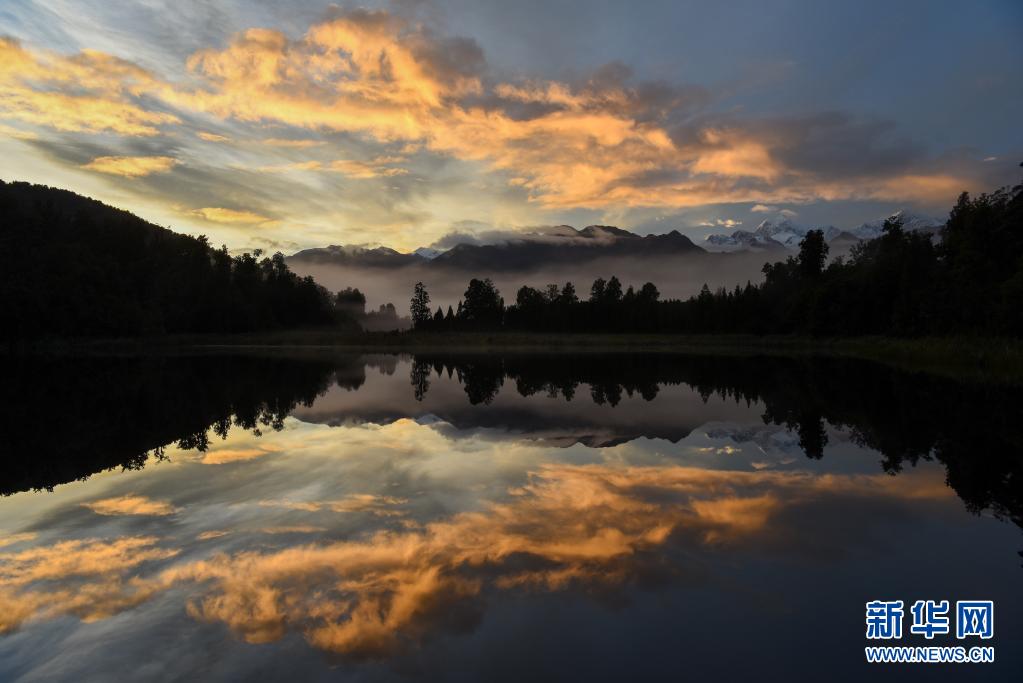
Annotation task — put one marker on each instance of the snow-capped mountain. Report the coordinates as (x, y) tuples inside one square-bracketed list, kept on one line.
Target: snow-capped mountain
[(427, 253), (910, 222), (785, 234), (767, 235)]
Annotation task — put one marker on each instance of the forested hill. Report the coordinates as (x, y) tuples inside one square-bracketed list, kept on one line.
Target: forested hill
[(74, 267)]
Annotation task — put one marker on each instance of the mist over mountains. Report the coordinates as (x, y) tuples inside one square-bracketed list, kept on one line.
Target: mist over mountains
[(562, 253), (562, 244)]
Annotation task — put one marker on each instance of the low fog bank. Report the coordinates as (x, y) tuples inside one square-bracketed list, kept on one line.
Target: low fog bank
[(675, 277)]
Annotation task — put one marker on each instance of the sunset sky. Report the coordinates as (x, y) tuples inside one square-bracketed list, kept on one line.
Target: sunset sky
[(289, 125)]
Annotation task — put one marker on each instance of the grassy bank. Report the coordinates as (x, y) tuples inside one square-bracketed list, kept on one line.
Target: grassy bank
[(984, 359)]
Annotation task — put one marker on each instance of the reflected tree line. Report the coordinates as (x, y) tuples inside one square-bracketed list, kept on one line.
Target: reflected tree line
[(66, 419), (974, 430)]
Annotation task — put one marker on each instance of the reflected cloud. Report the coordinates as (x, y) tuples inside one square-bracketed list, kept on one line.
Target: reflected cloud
[(365, 502), (92, 575), (131, 505), (223, 456), (567, 527)]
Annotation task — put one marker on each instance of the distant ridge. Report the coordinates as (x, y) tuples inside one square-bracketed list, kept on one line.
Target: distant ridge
[(562, 244)]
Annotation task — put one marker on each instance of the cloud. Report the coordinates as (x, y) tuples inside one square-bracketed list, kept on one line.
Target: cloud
[(131, 167), (294, 529), (366, 502), (17, 133), (11, 539), (599, 143), (232, 216), (223, 456), (720, 222), (295, 144), (763, 208), (87, 92), (131, 505), (368, 169), (433, 131), (379, 167)]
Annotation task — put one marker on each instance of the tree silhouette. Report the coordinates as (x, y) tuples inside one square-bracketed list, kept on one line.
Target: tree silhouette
[(813, 254), (482, 305), (419, 307)]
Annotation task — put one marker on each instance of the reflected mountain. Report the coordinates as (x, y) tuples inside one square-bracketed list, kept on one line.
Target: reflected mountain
[(68, 418)]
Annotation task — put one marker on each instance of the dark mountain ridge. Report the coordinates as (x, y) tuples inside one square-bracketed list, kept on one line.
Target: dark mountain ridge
[(564, 245), (75, 267)]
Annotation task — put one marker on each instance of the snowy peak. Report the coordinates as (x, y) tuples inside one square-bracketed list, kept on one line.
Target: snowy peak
[(427, 253), (911, 222), (786, 234)]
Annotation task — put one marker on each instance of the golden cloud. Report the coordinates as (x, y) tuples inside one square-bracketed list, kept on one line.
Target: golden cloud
[(131, 505), (212, 137), (88, 92), (230, 216), (131, 167), (11, 539), (598, 144)]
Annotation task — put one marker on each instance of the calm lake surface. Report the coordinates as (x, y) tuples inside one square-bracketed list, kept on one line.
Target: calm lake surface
[(487, 518)]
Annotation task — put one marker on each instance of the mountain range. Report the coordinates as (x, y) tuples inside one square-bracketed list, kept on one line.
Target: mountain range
[(559, 245), (786, 235), (563, 245)]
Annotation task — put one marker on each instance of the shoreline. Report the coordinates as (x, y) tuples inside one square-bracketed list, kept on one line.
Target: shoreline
[(969, 358)]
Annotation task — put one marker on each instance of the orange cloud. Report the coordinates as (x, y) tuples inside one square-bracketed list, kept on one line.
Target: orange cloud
[(89, 92), (389, 82), (16, 538), (222, 456), (131, 505), (131, 167)]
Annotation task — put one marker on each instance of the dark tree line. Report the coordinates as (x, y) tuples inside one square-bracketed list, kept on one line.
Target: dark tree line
[(73, 267), (902, 283)]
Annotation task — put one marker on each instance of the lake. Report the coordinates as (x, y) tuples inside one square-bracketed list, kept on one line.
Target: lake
[(496, 517)]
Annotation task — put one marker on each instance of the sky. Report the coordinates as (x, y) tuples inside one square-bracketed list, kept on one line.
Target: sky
[(282, 126)]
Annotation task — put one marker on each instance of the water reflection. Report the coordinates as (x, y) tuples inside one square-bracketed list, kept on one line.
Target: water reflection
[(77, 417), (397, 511)]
